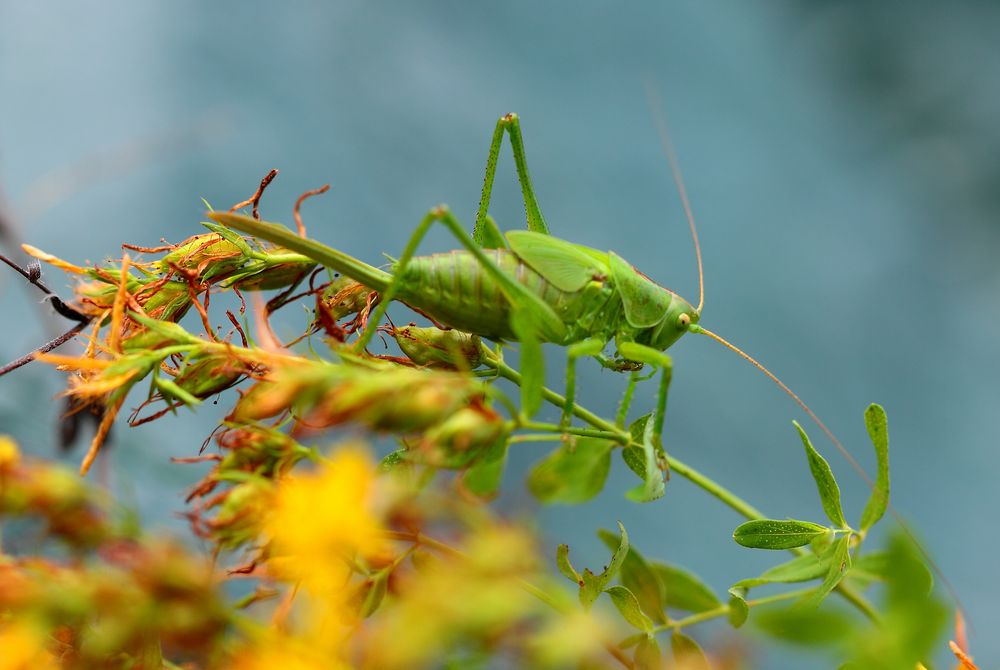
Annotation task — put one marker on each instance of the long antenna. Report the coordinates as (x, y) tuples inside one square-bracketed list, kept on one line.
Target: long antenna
[(845, 453), (660, 119)]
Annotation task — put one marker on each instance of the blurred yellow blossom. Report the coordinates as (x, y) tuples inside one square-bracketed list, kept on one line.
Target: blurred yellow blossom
[(322, 520), (23, 648), (276, 651), (478, 593), (9, 453)]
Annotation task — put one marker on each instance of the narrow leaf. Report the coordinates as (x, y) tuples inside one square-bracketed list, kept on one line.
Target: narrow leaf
[(484, 476), (877, 424), (565, 567), (872, 565), (826, 484), (683, 590), (532, 363), (648, 655), (375, 593), (628, 607), (799, 569), (840, 563), (820, 627), (652, 474), (776, 534), (593, 585), (738, 608), (572, 474), (687, 653), (639, 578)]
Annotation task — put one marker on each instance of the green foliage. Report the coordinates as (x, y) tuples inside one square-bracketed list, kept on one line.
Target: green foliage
[(573, 473)]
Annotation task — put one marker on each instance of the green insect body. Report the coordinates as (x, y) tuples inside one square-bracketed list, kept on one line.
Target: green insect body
[(592, 293), (595, 294)]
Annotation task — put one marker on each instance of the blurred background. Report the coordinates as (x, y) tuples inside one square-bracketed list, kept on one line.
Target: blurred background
[(841, 158)]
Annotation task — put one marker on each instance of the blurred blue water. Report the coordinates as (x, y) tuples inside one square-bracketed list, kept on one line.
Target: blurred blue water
[(840, 160)]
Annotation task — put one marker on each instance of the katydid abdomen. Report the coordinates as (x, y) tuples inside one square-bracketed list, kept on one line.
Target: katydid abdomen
[(454, 289)]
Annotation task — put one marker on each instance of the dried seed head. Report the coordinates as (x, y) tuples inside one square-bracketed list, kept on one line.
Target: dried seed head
[(344, 297), (211, 374), (272, 277), (207, 255), (435, 347), (461, 438)]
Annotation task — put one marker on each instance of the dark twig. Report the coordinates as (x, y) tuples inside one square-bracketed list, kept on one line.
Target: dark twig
[(33, 274), (48, 346)]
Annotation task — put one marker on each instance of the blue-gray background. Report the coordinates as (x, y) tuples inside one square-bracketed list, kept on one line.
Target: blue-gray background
[(841, 159)]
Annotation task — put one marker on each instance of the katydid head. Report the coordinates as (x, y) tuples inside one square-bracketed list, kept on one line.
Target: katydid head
[(678, 319)]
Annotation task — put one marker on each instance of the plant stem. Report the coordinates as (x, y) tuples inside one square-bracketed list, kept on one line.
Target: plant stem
[(723, 610), (704, 482), (581, 432)]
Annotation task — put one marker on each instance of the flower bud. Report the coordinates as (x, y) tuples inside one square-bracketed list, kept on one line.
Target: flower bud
[(437, 348)]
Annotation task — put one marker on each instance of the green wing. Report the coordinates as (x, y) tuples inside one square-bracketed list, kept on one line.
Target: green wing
[(645, 302), (566, 266)]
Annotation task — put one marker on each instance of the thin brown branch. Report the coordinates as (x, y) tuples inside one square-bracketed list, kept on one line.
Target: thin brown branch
[(45, 348), (298, 203), (255, 198)]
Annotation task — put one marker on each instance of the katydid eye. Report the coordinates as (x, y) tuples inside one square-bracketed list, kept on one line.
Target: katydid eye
[(684, 320)]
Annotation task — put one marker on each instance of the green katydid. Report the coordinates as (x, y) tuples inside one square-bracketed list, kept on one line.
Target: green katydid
[(530, 287)]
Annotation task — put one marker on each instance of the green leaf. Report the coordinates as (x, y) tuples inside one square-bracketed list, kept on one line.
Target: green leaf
[(738, 608), (168, 387), (628, 607), (651, 471), (572, 474), (687, 653), (829, 492), (230, 236), (565, 567), (167, 329), (777, 534), (818, 627), (877, 424), (683, 590), (483, 477), (392, 460), (872, 565), (635, 459), (840, 563), (594, 585), (648, 655), (799, 569), (525, 327), (639, 578), (375, 591), (913, 619)]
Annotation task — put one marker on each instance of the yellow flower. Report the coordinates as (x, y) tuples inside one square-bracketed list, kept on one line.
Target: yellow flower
[(23, 648), (323, 519), (9, 453), (273, 651)]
